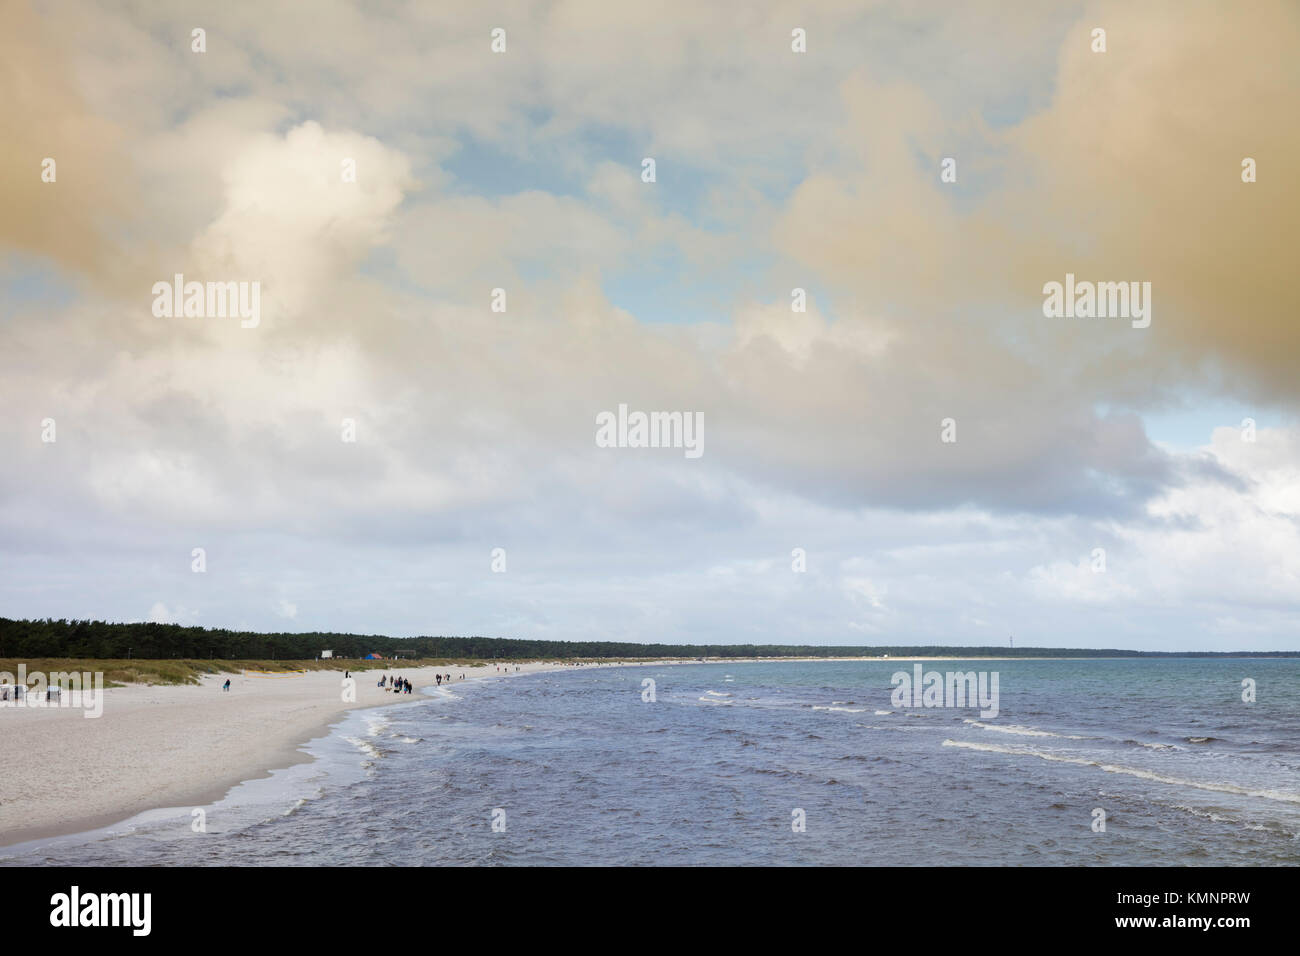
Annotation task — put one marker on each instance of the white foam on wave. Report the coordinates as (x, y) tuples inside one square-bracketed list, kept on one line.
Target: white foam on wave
[(883, 713), (714, 693), (1278, 795), (843, 710), (1020, 731), (365, 746), (714, 700)]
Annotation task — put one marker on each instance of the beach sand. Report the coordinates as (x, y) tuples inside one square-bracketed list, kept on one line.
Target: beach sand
[(175, 746)]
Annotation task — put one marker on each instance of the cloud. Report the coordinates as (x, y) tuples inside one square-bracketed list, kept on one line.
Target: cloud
[(46, 117), (159, 614), (475, 428)]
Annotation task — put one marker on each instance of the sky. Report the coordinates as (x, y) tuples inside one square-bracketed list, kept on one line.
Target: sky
[(921, 456)]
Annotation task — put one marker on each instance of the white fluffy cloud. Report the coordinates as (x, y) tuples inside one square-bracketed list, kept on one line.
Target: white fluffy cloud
[(475, 428)]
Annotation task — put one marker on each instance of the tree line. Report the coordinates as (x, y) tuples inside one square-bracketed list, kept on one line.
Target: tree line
[(109, 641)]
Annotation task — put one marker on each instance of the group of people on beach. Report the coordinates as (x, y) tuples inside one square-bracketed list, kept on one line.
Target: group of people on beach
[(398, 685), (401, 685)]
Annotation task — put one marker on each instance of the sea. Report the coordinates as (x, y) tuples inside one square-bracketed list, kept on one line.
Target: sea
[(1098, 762)]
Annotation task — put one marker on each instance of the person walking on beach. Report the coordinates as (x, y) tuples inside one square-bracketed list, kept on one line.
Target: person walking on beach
[(226, 686)]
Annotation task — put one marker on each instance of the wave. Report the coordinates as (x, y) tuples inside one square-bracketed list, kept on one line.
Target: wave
[(1223, 815), (375, 724), (714, 693), (1278, 795), (843, 710), (1020, 731), (1153, 746)]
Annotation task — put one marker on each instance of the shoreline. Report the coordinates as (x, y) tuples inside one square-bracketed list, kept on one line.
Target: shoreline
[(161, 747), (164, 747), (157, 747)]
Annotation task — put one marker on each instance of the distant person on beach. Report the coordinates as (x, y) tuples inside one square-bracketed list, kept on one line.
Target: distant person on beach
[(226, 685)]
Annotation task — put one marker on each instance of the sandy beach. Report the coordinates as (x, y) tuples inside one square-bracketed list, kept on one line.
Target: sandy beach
[(174, 746)]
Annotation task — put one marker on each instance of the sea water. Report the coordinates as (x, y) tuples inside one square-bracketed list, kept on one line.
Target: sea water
[(1088, 762)]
